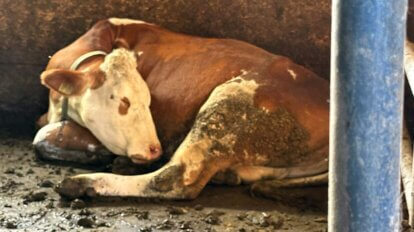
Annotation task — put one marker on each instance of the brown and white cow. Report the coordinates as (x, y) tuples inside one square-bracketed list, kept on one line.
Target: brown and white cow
[(213, 104)]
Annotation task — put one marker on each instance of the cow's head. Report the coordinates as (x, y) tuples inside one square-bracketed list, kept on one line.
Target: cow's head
[(110, 99)]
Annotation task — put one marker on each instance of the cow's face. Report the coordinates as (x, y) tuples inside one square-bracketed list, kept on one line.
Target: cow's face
[(112, 101)]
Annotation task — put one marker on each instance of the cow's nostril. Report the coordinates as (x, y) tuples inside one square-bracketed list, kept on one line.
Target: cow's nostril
[(155, 150), (152, 154)]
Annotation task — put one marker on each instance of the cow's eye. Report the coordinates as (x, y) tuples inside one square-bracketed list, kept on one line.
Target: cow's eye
[(111, 97)]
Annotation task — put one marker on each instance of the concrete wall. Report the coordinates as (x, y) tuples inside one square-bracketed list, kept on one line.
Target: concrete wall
[(31, 30)]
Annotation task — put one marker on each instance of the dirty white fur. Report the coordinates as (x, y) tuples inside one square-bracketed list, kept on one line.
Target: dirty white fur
[(233, 87), (192, 153), (125, 21), (54, 111), (106, 184)]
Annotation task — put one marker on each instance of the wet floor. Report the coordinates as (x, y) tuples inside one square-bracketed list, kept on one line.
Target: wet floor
[(29, 203)]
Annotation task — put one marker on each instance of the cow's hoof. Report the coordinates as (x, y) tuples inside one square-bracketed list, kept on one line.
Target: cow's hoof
[(75, 187)]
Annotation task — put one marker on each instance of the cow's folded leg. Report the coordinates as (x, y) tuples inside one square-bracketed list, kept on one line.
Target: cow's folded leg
[(168, 183), (267, 186), (67, 141), (300, 191), (182, 178), (165, 183)]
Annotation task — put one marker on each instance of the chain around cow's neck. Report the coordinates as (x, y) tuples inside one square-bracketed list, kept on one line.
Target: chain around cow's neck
[(74, 66)]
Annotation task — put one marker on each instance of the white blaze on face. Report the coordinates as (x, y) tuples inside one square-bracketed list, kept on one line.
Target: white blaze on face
[(118, 113)]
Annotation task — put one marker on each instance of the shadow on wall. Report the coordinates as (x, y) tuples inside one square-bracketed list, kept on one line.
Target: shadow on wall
[(30, 31)]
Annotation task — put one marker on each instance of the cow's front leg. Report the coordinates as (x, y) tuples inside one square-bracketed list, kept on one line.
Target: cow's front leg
[(67, 141), (165, 183), (182, 178)]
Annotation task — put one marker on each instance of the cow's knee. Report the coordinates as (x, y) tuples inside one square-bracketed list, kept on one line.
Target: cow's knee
[(212, 143)]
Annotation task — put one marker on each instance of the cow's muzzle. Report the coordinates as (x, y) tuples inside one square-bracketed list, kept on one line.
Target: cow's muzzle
[(153, 153)]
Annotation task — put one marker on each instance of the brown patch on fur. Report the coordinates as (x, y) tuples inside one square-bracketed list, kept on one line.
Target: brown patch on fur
[(124, 106)]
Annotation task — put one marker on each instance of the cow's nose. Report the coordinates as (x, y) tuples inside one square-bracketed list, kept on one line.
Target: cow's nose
[(155, 151), (152, 153)]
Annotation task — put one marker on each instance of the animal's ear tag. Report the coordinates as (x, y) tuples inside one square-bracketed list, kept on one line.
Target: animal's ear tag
[(65, 88)]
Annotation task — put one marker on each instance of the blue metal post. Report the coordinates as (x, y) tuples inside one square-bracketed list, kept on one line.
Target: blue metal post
[(366, 114)]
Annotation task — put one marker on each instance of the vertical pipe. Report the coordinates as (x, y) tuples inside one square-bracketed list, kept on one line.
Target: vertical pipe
[(366, 114)]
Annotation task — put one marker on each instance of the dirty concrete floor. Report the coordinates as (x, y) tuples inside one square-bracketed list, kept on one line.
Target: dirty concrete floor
[(28, 203)]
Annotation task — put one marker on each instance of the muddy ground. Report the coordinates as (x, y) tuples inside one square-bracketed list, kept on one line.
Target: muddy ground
[(29, 203)]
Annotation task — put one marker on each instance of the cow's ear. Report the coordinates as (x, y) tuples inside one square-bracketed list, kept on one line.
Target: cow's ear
[(65, 82)]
